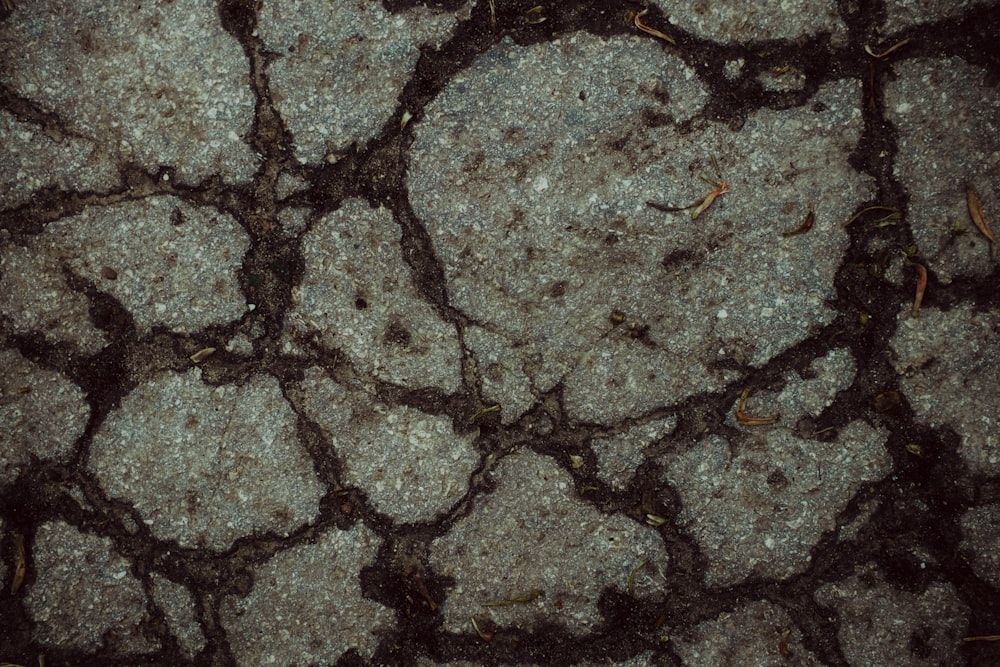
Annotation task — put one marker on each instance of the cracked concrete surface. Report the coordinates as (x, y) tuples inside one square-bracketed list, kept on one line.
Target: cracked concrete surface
[(463, 333)]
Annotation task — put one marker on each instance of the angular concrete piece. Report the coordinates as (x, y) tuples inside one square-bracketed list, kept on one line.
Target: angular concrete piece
[(411, 465), (533, 551), (109, 78), (578, 333), (942, 155), (364, 56), (41, 414), (879, 624), (768, 19), (956, 350), (206, 466), (85, 595), (178, 608), (307, 603), (359, 296), (501, 192), (759, 633), (147, 253), (757, 505)]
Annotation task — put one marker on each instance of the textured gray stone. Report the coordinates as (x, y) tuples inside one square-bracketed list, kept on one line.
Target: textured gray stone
[(157, 249), (178, 607), (34, 297), (880, 625), (758, 504), (981, 543), (364, 55), (206, 466), (306, 606), (744, 22), (752, 634), (949, 364), (42, 414), (112, 83), (359, 296), (411, 465), (561, 194), (941, 154), (534, 534), (85, 594)]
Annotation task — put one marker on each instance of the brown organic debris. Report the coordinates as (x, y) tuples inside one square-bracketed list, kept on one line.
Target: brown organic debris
[(804, 227), (976, 213), (636, 18), (746, 419), (20, 564)]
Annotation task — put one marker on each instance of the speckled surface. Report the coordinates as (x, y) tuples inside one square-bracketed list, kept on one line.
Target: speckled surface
[(484, 333)]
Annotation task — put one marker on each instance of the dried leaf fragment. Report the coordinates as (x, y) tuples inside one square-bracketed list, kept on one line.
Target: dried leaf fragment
[(894, 47), (636, 18), (202, 354), (20, 564), (527, 597), (485, 635), (976, 213), (804, 227), (635, 571), (921, 288), (783, 645), (746, 419), (982, 638), (483, 411), (534, 15), (892, 212), (722, 188)]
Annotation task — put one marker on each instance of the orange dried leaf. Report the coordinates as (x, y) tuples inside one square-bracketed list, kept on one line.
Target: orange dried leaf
[(976, 213), (636, 18), (921, 287), (722, 189), (746, 419)]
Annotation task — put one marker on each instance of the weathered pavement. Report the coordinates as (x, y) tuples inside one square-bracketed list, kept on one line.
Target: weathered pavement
[(472, 399)]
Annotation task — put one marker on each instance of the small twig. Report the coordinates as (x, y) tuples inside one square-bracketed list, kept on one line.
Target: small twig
[(894, 47)]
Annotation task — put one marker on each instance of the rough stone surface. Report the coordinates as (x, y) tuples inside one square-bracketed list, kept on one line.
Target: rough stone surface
[(902, 14), (359, 296), (880, 625), (757, 504), (34, 297), (148, 252), (112, 81), (501, 192), (769, 19), (411, 465), (365, 56), (178, 608), (753, 634), (234, 468), (981, 530), (487, 284), (307, 602), (34, 161), (84, 592), (42, 414), (941, 155), (534, 535), (618, 457), (956, 351)]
